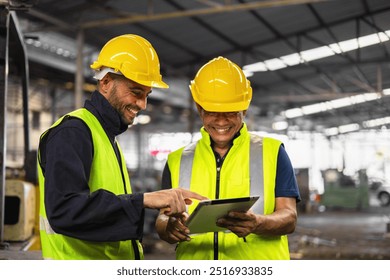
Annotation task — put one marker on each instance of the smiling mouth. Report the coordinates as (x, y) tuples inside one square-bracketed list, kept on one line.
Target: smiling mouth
[(132, 111), (222, 130)]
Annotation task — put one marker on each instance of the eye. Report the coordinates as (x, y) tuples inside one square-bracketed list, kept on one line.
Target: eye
[(136, 92)]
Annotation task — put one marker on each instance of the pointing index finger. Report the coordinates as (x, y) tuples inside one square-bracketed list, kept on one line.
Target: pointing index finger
[(187, 194)]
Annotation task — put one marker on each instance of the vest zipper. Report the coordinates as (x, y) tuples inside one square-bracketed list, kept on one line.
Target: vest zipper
[(219, 162), (219, 165), (136, 250), (215, 245)]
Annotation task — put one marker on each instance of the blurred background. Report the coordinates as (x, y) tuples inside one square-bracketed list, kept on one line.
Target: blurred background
[(321, 83)]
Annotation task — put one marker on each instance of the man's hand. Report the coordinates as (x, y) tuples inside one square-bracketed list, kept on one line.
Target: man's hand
[(240, 223), (281, 221), (174, 201), (172, 229)]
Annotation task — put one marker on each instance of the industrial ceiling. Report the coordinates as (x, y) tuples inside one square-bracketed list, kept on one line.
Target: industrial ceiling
[(280, 38)]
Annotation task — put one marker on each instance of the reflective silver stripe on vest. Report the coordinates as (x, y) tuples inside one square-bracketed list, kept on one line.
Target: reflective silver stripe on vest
[(256, 170), (187, 158), (45, 226)]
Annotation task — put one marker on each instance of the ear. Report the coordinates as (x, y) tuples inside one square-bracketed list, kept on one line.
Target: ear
[(200, 109), (105, 84)]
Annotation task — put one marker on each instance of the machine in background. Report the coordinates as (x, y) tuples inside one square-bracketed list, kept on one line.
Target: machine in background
[(345, 191)]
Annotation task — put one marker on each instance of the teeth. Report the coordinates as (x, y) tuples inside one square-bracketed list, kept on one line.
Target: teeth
[(222, 129), (132, 111)]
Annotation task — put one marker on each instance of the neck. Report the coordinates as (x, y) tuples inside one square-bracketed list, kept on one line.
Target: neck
[(221, 149)]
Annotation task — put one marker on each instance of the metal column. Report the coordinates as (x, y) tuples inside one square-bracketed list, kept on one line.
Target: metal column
[(4, 41), (79, 80)]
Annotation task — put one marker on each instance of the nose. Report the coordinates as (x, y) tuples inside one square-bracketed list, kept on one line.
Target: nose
[(142, 102)]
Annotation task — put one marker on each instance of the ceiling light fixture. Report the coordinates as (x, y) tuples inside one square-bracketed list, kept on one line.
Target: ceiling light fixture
[(376, 122), (280, 125), (316, 53), (333, 104), (332, 131)]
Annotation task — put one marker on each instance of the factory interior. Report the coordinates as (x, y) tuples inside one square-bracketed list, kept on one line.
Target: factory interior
[(320, 74)]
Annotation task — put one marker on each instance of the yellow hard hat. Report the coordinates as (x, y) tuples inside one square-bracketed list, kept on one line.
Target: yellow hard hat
[(134, 57), (221, 86)]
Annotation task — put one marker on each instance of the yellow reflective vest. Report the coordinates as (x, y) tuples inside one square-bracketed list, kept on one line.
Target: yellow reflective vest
[(248, 169), (58, 246)]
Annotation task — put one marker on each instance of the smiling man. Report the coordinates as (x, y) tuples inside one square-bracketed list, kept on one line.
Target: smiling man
[(230, 162), (87, 208)]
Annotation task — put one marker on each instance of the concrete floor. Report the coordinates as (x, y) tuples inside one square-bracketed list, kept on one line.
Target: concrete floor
[(330, 235), (333, 234), (343, 234)]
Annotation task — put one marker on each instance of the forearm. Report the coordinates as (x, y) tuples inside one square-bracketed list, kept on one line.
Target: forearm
[(101, 216), (280, 222)]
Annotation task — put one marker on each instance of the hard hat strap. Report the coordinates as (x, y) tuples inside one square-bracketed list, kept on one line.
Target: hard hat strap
[(100, 73)]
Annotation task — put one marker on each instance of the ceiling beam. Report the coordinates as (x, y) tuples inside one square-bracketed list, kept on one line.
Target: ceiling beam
[(196, 12), (51, 19)]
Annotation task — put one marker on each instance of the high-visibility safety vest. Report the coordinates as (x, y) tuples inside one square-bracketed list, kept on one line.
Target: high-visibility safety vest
[(248, 169), (103, 176)]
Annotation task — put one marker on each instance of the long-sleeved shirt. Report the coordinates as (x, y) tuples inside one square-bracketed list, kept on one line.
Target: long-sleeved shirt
[(71, 208)]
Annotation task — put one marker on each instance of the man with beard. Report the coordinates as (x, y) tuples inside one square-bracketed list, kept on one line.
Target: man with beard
[(87, 208)]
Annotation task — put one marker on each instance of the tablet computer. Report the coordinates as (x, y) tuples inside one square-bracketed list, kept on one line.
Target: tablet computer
[(207, 212)]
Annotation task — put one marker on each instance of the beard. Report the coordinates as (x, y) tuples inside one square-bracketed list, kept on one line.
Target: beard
[(123, 109)]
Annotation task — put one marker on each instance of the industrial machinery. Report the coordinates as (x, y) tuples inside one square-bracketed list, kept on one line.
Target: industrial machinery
[(20, 210), (302, 176), (18, 190), (345, 191), (381, 191)]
